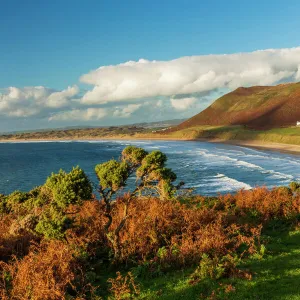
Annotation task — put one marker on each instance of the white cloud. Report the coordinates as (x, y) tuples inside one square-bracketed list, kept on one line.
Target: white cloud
[(126, 111), (30, 101), (183, 103), (189, 75), (89, 114), (171, 89), (61, 99)]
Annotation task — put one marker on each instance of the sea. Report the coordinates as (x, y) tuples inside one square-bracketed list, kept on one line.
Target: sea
[(208, 168)]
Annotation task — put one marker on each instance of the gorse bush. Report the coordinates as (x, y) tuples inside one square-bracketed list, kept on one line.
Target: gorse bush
[(69, 188), (53, 224), (59, 242)]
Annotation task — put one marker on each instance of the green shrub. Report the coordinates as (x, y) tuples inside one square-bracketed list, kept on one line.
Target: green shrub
[(69, 188), (112, 174), (209, 268), (162, 252), (14, 200), (37, 197), (53, 224), (133, 155)]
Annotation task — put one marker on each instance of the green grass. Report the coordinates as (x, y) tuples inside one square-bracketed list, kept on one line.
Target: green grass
[(275, 276), (288, 135)]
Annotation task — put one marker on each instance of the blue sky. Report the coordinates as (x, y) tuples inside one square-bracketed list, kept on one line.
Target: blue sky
[(52, 44)]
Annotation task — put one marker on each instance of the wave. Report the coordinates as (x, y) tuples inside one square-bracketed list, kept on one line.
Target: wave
[(250, 149), (237, 162), (130, 142), (235, 152), (248, 165), (278, 175), (222, 183), (287, 160)]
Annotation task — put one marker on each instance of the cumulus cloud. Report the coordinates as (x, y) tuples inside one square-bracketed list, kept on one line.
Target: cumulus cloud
[(183, 103), (61, 99), (30, 101), (88, 114), (189, 75), (126, 111), (150, 90)]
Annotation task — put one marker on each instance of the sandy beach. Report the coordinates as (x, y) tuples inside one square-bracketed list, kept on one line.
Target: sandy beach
[(286, 148)]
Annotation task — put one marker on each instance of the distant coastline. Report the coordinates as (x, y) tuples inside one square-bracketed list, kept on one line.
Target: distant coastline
[(279, 147)]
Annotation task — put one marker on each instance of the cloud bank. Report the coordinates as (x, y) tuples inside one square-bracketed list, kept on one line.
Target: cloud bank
[(146, 90), (31, 101), (190, 75), (87, 114)]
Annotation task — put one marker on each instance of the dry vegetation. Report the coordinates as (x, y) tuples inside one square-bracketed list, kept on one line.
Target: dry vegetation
[(75, 259)]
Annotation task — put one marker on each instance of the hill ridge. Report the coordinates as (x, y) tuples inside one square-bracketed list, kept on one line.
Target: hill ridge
[(255, 107)]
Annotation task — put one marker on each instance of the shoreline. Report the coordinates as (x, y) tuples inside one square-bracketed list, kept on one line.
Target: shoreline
[(268, 146), (256, 144)]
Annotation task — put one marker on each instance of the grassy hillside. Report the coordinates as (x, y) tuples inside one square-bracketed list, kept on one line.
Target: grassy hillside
[(288, 135), (257, 107)]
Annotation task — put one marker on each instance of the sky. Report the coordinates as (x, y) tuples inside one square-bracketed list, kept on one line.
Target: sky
[(70, 63)]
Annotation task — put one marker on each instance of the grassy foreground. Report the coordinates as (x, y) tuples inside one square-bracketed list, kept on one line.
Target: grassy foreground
[(276, 275), (155, 241)]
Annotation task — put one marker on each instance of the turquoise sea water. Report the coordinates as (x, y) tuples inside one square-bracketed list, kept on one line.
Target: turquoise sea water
[(209, 168)]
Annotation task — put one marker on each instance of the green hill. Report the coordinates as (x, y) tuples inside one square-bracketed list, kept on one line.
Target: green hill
[(256, 107)]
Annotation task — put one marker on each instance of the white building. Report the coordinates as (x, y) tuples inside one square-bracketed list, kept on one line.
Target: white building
[(298, 123)]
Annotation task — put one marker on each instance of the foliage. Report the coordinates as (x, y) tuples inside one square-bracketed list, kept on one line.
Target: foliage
[(295, 186), (209, 268), (133, 155), (53, 224), (14, 199), (69, 188), (151, 174), (203, 242), (112, 175), (49, 271), (123, 286)]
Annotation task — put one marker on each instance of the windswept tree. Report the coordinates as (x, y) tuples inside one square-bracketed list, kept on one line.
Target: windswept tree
[(152, 178)]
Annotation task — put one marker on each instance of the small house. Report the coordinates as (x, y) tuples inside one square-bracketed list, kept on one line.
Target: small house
[(298, 123)]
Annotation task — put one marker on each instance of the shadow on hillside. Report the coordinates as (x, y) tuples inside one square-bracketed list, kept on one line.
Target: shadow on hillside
[(263, 120)]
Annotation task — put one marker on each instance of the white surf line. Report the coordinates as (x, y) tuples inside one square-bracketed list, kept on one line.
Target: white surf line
[(222, 183)]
